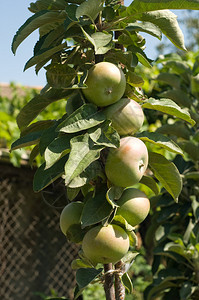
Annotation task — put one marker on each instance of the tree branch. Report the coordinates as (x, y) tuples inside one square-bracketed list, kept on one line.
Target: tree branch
[(109, 282)]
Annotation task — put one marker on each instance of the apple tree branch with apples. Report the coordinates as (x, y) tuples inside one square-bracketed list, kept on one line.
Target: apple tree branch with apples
[(99, 146)]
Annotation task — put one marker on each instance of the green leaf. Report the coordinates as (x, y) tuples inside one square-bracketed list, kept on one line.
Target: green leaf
[(178, 96), (133, 79), (167, 22), (27, 140), (114, 193), (101, 42), (47, 4), (44, 55), (105, 135), (160, 140), (36, 21), (85, 276), (170, 79), (167, 174), (145, 27), (43, 177), (141, 6), (169, 107), (178, 129), (126, 281), (90, 8), (85, 117), (30, 111), (151, 183), (190, 148), (56, 148), (83, 153), (93, 171), (96, 209)]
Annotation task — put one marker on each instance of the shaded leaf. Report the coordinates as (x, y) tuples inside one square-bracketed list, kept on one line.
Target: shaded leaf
[(169, 107), (37, 20), (167, 22), (90, 8), (126, 281), (151, 183), (177, 95), (30, 111), (85, 117), (44, 55), (96, 209), (44, 177), (83, 153), (145, 27), (148, 5), (167, 174), (160, 140), (105, 135)]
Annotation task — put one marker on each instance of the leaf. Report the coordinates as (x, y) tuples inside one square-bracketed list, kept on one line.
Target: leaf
[(39, 103), (90, 8), (167, 174), (190, 148), (148, 5), (145, 27), (93, 171), (133, 79), (178, 96), (167, 22), (101, 41), (27, 140), (55, 149), (85, 117), (47, 4), (37, 20), (151, 183), (83, 153), (160, 140), (178, 129), (169, 107), (105, 135), (126, 281), (44, 177), (170, 79), (44, 55), (114, 193), (84, 276), (96, 209)]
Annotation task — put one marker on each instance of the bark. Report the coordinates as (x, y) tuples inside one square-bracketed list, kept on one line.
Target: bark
[(119, 288), (109, 287)]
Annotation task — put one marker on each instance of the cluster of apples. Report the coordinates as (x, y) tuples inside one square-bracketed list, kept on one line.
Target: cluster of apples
[(124, 166)]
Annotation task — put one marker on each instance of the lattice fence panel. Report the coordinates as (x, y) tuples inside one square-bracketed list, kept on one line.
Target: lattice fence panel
[(35, 257)]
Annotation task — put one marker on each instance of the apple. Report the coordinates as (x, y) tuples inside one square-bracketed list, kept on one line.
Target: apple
[(126, 115), (134, 206), (126, 165), (70, 216), (106, 84), (105, 244)]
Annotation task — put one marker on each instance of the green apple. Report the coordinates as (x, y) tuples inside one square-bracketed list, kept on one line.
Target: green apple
[(126, 115), (70, 216), (126, 165), (105, 244), (134, 206), (106, 84)]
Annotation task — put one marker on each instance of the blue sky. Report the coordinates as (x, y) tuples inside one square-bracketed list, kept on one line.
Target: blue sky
[(12, 15)]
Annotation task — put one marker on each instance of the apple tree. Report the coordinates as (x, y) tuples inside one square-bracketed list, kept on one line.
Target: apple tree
[(100, 145)]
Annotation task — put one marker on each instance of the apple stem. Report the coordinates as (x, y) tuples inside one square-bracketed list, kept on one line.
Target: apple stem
[(109, 282), (119, 287)]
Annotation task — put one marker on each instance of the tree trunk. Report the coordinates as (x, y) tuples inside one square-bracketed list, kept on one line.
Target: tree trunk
[(119, 288), (109, 287)]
